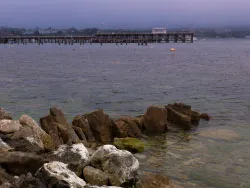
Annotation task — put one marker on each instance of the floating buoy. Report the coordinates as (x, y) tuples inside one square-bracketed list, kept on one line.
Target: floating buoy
[(172, 49)]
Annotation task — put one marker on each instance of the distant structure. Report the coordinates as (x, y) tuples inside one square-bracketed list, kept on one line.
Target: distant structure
[(159, 30)]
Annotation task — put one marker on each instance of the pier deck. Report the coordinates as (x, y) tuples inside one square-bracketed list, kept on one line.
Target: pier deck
[(117, 38)]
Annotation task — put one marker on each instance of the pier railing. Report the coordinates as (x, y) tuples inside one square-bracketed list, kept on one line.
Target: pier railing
[(118, 38)]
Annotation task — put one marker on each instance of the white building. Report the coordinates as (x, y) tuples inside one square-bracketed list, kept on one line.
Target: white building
[(159, 30)]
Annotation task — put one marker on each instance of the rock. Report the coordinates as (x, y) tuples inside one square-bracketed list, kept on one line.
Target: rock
[(82, 122), (76, 156), (6, 180), (155, 119), (131, 144), (139, 120), (56, 174), (100, 125), (79, 133), (104, 186), (9, 126), (151, 180), (95, 176), (58, 128), (21, 162), (187, 110), (120, 165), (26, 139), (221, 134), (46, 139), (4, 146), (4, 115), (28, 181), (126, 127), (205, 116), (179, 119)]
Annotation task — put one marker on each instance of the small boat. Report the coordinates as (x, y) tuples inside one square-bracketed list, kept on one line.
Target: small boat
[(172, 49)]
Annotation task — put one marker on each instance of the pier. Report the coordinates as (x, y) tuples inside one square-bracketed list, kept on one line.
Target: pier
[(102, 38)]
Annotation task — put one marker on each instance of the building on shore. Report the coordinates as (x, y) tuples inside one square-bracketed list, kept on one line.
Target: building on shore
[(159, 30)]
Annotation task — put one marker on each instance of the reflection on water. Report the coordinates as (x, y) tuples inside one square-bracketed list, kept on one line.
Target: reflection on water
[(212, 76)]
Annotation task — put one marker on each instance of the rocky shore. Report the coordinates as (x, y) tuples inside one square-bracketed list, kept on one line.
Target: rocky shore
[(93, 151)]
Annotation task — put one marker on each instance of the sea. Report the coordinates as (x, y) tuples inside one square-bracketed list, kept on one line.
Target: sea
[(212, 75)]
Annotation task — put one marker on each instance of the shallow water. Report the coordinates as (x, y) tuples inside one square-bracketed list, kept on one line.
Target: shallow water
[(212, 76)]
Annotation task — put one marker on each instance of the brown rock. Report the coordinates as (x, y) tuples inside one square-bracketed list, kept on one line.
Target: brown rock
[(20, 162), (126, 127), (155, 119), (82, 122), (100, 125), (139, 120), (95, 176), (79, 133), (4, 115), (179, 119), (58, 128), (205, 116)]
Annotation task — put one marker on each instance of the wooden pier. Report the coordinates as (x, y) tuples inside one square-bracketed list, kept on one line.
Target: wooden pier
[(101, 38)]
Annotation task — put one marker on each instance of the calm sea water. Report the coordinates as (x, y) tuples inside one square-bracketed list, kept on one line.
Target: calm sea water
[(212, 75)]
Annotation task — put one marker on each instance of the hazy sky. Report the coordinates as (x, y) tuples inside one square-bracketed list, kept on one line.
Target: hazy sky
[(123, 13)]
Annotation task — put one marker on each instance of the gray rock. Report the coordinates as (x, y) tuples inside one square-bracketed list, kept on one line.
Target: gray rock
[(9, 126), (120, 165), (46, 139), (95, 176), (4, 114), (56, 174), (76, 156), (28, 181)]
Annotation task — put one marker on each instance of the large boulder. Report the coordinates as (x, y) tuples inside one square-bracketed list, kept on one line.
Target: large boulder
[(131, 144), (46, 139), (126, 127), (4, 114), (120, 165), (56, 125), (179, 119), (9, 126), (187, 110), (76, 156), (21, 162), (82, 122), (95, 176), (100, 125), (26, 139), (155, 119), (56, 174)]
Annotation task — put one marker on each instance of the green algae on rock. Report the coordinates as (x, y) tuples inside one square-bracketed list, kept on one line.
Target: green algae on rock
[(131, 144)]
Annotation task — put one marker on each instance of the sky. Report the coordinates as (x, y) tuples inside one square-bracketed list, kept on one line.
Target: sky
[(124, 14)]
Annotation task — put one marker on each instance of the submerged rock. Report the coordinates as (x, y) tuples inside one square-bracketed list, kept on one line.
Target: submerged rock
[(56, 125), (76, 156), (221, 134), (21, 162), (100, 125), (155, 119), (57, 174), (126, 127), (82, 122), (120, 165), (95, 176), (9, 126), (4, 115), (131, 144)]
